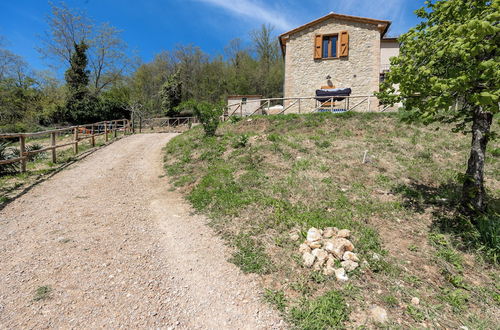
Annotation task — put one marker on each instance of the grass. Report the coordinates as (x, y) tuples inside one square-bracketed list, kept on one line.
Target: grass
[(328, 311), (258, 181), (276, 298), (42, 293)]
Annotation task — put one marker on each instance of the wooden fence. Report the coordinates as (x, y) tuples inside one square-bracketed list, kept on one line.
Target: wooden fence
[(79, 133), (164, 122), (310, 104)]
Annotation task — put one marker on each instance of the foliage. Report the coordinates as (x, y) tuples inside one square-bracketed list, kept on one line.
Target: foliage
[(208, 114), (171, 94), (107, 51), (80, 105), (276, 298), (287, 179), (448, 64), (448, 70), (5, 154), (325, 312), (250, 256), (42, 293)]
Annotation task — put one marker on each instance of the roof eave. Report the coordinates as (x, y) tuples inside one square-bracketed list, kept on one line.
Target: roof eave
[(384, 23)]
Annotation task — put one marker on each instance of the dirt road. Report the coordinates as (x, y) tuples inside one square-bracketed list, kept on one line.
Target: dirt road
[(118, 249)]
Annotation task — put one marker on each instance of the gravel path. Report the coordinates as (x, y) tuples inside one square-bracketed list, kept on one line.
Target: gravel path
[(118, 249)]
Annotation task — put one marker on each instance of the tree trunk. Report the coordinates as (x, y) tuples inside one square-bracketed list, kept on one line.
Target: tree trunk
[(473, 195)]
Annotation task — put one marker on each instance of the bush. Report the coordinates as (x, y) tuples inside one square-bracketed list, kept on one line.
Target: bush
[(208, 114), (5, 154)]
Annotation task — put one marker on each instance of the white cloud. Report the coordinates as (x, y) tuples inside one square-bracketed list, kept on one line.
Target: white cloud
[(253, 10)]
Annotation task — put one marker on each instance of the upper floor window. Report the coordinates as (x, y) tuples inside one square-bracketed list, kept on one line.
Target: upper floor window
[(333, 45), (330, 45)]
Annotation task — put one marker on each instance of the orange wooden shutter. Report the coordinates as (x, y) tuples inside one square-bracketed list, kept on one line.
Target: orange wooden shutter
[(318, 45), (344, 44)]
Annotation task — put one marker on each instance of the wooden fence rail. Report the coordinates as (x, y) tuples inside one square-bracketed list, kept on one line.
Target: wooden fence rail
[(79, 132)]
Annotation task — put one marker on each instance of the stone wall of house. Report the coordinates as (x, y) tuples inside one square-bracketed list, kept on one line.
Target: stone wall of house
[(359, 71)]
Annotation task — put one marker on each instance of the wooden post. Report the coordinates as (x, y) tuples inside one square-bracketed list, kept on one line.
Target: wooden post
[(92, 138), (75, 138), (368, 103), (115, 128), (22, 148), (241, 109), (140, 124), (106, 131), (53, 145), (299, 106)]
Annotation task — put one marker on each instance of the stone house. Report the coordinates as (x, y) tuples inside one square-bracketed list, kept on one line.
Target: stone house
[(336, 51)]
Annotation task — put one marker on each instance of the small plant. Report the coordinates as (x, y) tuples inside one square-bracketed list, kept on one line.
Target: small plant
[(276, 298), (317, 277), (326, 312), (390, 300), (234, 119), (250, 257), (42, 292), (35, 147), (241, 141), (274, 137), (208, 114), (413, 248), (415, 313), (7, 153), (456, 298), (323, 144)]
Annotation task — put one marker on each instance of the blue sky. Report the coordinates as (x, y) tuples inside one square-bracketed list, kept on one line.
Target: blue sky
[(150, 26)]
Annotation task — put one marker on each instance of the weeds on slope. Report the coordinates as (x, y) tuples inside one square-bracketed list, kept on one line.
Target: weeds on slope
[(260, 179)]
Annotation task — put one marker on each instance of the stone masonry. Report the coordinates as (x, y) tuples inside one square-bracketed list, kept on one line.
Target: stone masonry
[(358, 71)]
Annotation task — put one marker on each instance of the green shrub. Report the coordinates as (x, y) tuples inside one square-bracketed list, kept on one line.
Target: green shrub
[(208, 114), (5, 154)]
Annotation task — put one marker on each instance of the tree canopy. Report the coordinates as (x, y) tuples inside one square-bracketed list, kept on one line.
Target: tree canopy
[(448, 70)]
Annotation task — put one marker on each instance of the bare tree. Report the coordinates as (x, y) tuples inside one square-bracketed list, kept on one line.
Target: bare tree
[(67, 27), (107, 52), (107, 57)]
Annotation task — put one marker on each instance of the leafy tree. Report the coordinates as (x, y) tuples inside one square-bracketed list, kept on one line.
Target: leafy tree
[(207, 113), (448, 70), (171, 94), (80, 104)]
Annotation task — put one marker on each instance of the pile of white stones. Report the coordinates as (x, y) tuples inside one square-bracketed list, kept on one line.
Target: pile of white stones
[(323, 248)]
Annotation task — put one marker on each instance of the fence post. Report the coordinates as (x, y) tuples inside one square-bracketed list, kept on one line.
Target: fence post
[(75, 138), (92, 139), (114, 128), (368, 103), (106, 131), (140, 124), (299, 106), (53, 145), (22, 148)]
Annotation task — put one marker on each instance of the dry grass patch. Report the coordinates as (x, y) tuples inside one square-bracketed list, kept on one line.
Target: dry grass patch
[(262, 178)]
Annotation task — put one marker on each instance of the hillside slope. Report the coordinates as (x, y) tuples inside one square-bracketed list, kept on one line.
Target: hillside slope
[(264, 180)]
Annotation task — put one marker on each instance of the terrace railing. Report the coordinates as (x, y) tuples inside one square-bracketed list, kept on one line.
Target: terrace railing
[(362, 103)]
